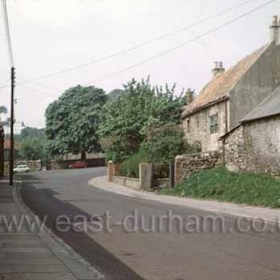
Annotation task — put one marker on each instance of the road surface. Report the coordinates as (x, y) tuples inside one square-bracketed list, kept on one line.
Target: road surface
[(107, 230)]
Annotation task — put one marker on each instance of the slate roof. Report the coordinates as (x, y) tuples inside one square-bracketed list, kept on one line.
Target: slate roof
[(269, 107), (219, 87)]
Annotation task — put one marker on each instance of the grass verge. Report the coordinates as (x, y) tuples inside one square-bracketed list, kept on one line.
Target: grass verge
[(223, 185)]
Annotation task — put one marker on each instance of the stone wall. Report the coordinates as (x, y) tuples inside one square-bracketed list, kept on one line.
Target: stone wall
[(34, 165), (186, 165), (64, 164), (197, 127), (71, 156), (133, 183), (146, 180), (234, 150), (254, 146)]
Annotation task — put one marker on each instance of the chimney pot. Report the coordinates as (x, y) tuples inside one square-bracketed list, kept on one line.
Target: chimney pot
[(189, 95), (275, 30), (218, 69)]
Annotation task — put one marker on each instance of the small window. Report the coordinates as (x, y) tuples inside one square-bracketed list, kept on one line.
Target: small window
[(214, 128), (188, 125)]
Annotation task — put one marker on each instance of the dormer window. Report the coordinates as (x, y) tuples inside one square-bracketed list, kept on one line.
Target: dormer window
[(214, 127)]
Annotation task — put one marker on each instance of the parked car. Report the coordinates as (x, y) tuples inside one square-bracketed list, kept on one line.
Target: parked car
[(22, 168), (78, 164)]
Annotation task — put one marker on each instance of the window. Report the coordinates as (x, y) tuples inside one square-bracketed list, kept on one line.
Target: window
[(197, 122), (214, 124), (188, 126)]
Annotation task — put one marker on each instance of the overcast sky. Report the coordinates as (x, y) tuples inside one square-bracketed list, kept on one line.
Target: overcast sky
[(52, 35)]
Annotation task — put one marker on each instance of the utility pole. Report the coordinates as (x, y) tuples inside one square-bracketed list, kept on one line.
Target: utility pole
[(10, 52), (11, 163)]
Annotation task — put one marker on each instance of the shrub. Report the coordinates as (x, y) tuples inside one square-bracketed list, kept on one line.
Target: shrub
[(130, 166), (163, 142)]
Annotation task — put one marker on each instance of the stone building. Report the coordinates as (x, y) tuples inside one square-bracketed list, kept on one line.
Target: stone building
[(254, 145), (231, 95)]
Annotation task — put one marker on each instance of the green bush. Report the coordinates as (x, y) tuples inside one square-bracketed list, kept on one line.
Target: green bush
[(223, 185), (130, 166), (163, 142)]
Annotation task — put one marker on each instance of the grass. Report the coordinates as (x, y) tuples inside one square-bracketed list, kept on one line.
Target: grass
[(223, 185)]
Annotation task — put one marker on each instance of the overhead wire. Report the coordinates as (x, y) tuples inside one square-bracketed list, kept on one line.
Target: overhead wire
[(7, 29), (184, 43), (139, 46)]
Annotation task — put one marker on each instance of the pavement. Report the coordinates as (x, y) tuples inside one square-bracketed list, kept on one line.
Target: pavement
[(28, 253), (239, 210)]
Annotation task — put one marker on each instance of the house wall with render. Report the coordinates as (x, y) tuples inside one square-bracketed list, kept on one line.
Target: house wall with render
[(262, 78), (197, 127)]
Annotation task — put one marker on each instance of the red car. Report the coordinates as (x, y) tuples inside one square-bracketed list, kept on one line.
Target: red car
[(78, 164)]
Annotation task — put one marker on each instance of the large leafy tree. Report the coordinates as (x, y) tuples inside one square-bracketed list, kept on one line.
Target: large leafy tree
[(72, 121), (125, 118)]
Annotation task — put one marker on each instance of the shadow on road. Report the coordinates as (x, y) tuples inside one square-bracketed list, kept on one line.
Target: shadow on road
[(44, 204)]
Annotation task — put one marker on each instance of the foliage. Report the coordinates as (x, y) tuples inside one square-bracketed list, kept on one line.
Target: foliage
[(33, 149), (124, 118), (72, 121), (221, 184), (130, 166), (115, 93), (162, 142), (32, 132), (3, 111), (33, 144), (193, 148)]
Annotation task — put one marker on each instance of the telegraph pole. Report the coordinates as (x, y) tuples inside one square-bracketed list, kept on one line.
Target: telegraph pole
[(10, 52), (11, 163)]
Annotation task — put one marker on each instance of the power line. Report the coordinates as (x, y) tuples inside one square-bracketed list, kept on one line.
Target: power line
[(146, 43), (8, 35), (184, 43)]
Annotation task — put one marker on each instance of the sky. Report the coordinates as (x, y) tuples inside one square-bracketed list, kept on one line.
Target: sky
[(53, 35)]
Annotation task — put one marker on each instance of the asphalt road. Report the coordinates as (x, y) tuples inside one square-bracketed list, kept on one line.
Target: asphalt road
[(101, 227)]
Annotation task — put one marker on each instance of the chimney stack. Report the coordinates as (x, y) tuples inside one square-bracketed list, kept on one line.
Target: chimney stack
[(275, 30), (189, 96), (218, 69)]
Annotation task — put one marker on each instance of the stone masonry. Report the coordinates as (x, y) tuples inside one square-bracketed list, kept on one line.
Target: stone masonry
[(254, 146), (186, 165)]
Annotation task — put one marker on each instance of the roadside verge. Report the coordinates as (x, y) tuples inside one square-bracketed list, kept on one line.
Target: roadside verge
[(267, 214)]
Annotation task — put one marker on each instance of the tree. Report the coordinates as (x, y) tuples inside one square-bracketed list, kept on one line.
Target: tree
[(33, 144), (72, 121), (163, 142), (124, 118), (4, 111), (115, 93), (33, 149), (32, 132)]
